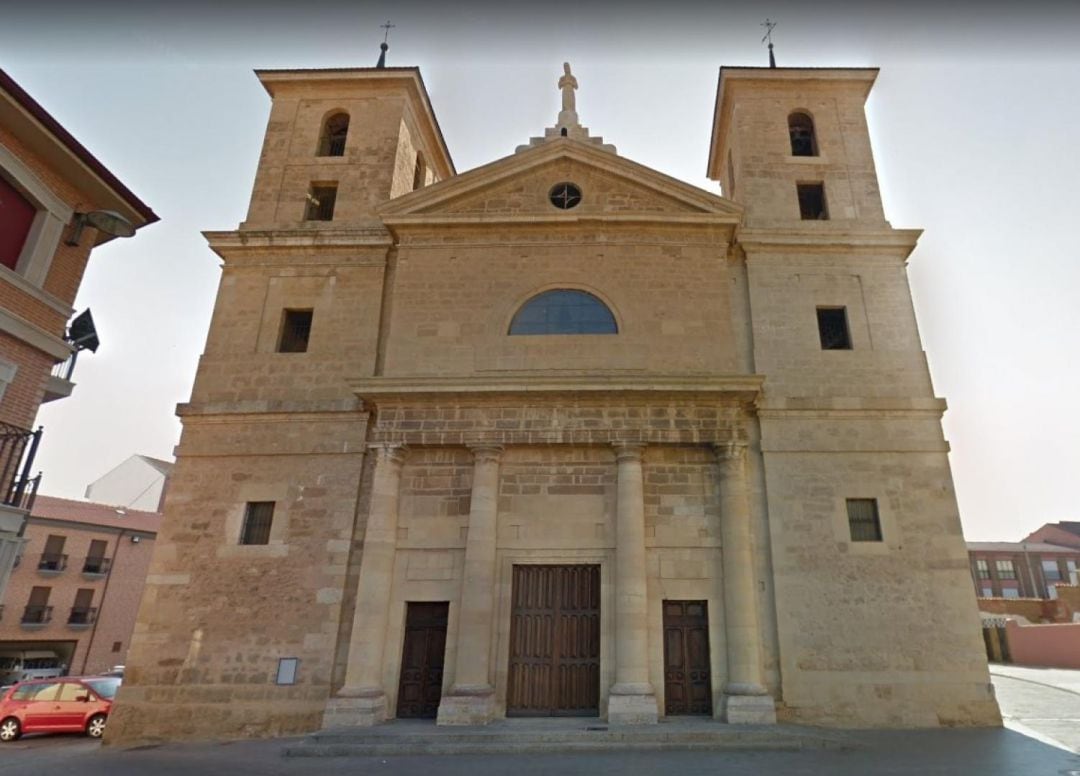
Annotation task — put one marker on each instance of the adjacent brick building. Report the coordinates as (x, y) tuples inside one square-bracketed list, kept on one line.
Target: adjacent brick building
[(52, 191), (559, 435), (77, 586), (1021, 569)]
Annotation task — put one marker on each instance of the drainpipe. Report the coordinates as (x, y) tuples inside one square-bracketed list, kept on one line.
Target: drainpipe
[(1036, 591), (101, 606)]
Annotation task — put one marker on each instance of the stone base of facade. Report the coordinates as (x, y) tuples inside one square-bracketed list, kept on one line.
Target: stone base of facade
[(467, 706), (632, 706), (749, 710), (360, 711)]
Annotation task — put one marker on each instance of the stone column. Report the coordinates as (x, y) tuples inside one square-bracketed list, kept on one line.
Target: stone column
[(471, 700), (746, 700), (632, 699), (362, 699)]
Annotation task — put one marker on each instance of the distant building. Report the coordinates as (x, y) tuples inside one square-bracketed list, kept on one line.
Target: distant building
[(137, 483), (76, 588), (57, 202), (1021, 569), (1066, 534)]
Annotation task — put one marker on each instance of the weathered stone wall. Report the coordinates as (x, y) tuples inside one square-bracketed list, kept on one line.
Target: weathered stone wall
[(216, 615)]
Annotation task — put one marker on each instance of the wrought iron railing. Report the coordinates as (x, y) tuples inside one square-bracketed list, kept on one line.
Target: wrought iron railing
[(18, 447), (37, 615), (82, 615), (52, 561), (94, 565), (65, 369)]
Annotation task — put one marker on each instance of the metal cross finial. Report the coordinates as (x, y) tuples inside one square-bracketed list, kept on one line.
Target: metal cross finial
[(769, 25), (388, 26)]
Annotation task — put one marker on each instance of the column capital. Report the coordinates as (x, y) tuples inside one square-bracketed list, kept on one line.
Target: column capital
[(486, 453), (733, 451), (388, 453), (628, 451)]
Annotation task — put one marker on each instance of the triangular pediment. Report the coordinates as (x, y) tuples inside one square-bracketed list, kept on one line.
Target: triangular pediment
[(517, 187)]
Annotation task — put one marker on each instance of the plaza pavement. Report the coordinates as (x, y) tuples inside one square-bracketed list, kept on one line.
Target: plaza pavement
[(1041, 708)]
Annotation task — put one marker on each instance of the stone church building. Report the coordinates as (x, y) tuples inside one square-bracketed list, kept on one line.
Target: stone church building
[(560, 435)]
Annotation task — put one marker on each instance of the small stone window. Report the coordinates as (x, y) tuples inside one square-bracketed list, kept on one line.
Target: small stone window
[(564, 311), (258, 517), (812, 201), (863, 520), (320, 202), (335, 131), (801, 132), (295, 331), (565, 196), (116, 646), (833, 328)]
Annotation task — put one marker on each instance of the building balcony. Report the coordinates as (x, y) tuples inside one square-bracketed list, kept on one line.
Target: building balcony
[(18, 448), (82, 617), (36, 616), (59, 384), (94, 568), (52, 563)]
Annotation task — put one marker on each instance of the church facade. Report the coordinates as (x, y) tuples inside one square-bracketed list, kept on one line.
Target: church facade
[(559, 435)]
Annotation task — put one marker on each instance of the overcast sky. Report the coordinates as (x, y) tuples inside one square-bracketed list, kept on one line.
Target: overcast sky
[(975, 121)]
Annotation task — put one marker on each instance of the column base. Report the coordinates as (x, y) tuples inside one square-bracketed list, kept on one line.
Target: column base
[(467, 706), (632, 705), (355, 711), (749, 709)]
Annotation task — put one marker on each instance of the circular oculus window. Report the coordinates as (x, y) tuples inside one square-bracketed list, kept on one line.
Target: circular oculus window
[(565, 196)]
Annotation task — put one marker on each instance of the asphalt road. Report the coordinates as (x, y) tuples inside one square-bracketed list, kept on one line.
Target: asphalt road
[(1043, 709)]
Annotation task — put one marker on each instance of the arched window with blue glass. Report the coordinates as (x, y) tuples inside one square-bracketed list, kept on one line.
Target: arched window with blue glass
[(564, 311)]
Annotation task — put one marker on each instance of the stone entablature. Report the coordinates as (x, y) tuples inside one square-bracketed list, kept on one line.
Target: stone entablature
[(538, 410)]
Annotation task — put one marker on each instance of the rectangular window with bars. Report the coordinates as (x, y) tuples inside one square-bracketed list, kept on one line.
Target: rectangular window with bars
[(321, 200), (983, 568), (295, 331), (863, 520), (812, 201), (258, 517)]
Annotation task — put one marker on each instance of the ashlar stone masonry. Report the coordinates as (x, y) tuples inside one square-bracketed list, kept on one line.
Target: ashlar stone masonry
[(562, 435)]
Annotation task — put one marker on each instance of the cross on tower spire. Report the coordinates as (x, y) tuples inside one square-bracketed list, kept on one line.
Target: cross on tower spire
[(769, 25), (384, 45)]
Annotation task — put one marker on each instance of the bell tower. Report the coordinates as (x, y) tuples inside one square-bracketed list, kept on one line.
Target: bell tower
[(792, 145), (341, 142)]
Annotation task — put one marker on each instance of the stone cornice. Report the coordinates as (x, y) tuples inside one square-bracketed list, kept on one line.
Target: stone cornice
[(560, 220), (269, 240), (745, 387), (432, 197), (888, 242)]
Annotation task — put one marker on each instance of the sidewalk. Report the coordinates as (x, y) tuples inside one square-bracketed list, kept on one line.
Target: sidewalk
[(1043, 703)]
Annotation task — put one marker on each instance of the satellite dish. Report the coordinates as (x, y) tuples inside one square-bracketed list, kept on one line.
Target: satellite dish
[(82, 334), (110, 222)]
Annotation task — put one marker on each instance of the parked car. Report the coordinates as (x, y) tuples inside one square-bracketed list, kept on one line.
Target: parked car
[(67, 705)]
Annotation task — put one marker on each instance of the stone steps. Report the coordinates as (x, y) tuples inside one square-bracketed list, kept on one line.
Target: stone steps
[(397, 738)]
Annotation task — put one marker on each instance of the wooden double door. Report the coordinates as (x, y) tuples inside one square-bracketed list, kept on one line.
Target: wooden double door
[(422, 660), (687, 680), (554, 642)]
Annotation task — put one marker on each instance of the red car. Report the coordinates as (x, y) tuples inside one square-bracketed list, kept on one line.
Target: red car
[(66, 705)]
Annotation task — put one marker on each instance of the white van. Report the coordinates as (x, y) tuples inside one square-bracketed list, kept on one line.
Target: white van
[(18, 666)]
